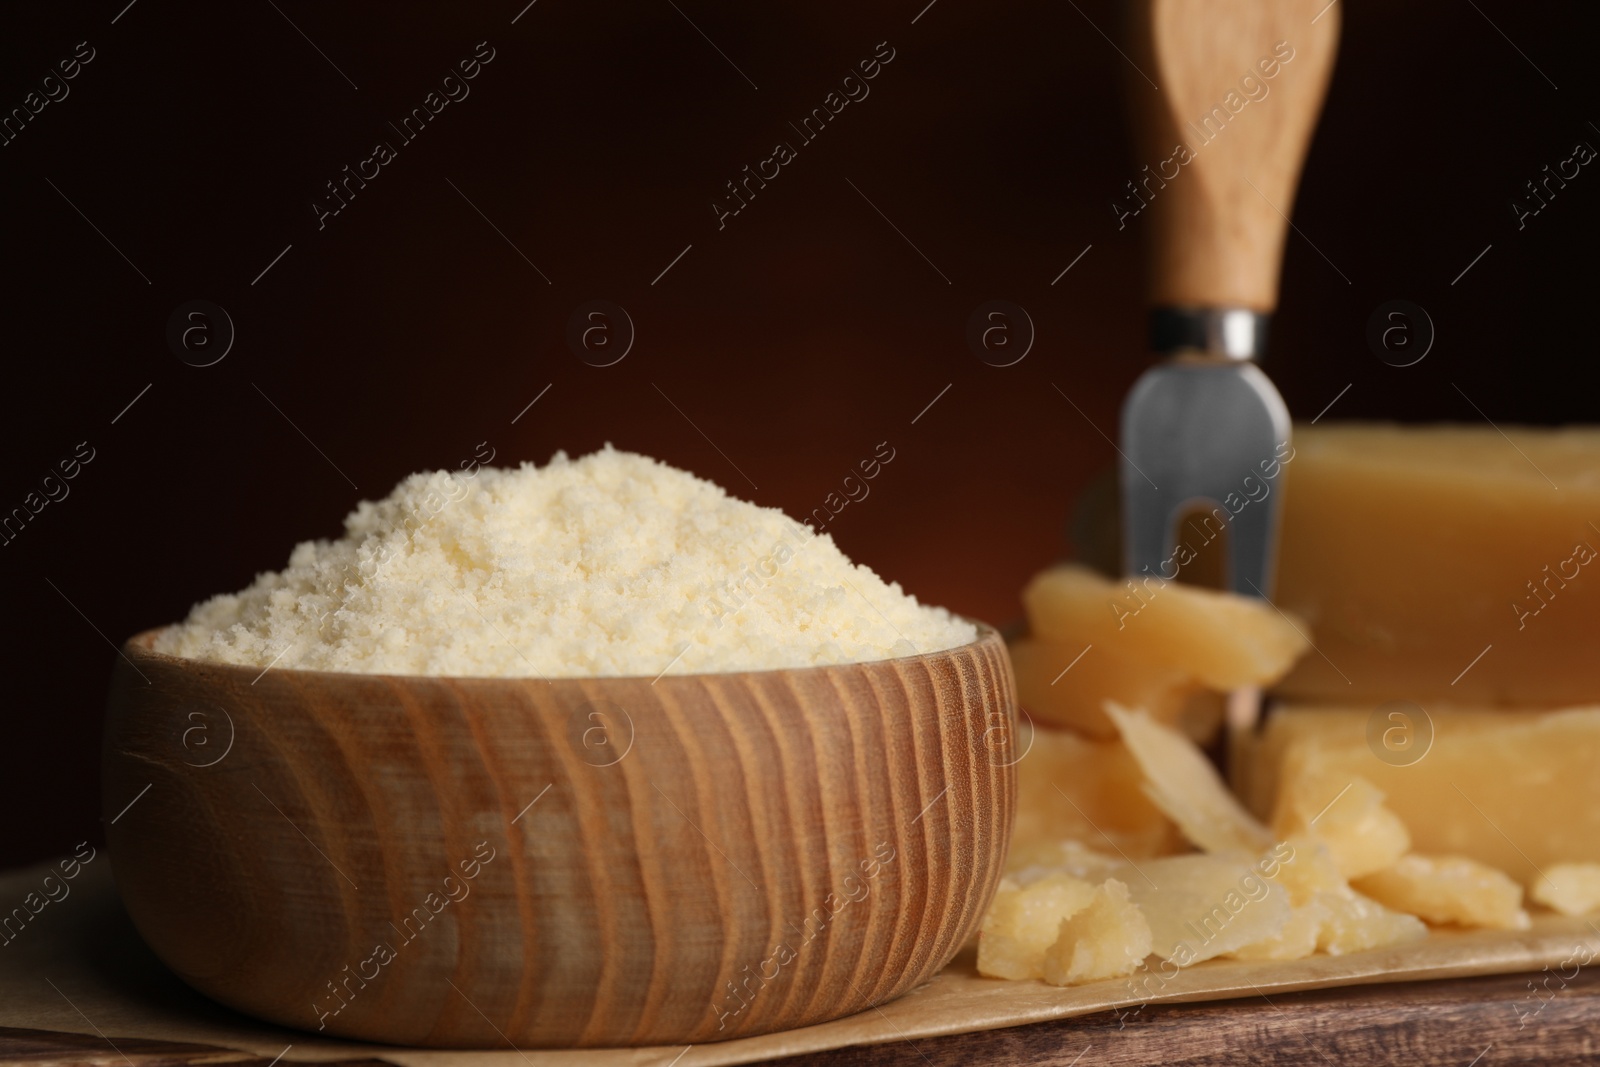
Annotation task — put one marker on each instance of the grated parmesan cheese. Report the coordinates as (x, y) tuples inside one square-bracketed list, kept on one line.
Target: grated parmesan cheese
[(607, 565)]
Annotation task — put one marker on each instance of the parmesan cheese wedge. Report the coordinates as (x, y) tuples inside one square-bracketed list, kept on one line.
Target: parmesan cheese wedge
[(1071, 788), (1109, 938), (1362, 835), (1449, 889), (1570, 888), (1201, 906), (1516, 790), (1182, 783), (1222, 640), (1344, 920), (1410, 550), (1067, 683), (1143, 643), (1024, 921)]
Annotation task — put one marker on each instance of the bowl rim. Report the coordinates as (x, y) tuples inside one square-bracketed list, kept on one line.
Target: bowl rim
[(141, 645)]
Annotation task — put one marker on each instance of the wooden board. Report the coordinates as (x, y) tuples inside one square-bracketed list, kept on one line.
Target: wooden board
[(80, 968), (1450, 1022)]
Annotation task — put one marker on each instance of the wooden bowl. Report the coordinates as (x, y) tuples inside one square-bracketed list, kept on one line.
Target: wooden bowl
[(476, 862)]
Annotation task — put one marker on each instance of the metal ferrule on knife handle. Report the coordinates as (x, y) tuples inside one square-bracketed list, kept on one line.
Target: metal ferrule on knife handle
[(1227, 332)]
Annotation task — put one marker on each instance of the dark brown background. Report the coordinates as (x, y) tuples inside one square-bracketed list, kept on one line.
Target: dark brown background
[(807, 331)]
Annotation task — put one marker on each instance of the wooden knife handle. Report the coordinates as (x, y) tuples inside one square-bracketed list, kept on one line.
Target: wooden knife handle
[(1222, 139)]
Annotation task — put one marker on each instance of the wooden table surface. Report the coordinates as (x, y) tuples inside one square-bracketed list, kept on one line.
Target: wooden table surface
[(1466, 1022)]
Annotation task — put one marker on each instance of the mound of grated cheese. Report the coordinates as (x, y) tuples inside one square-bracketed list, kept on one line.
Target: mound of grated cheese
[(610, 564)]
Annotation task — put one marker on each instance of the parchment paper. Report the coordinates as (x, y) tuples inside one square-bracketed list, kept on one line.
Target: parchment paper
[(79, 966)]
